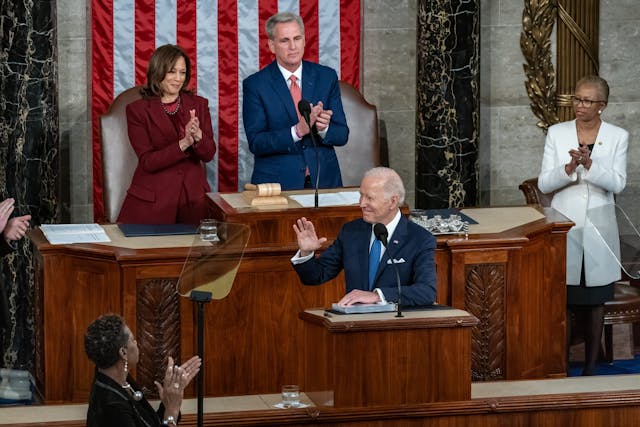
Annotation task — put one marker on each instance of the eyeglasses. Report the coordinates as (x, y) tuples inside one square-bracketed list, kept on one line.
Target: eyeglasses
[(586, 102)]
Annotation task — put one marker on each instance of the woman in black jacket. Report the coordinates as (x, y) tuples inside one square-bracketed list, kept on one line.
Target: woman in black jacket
[(116, 399)]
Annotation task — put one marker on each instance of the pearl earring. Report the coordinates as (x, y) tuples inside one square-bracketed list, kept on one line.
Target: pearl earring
[(599, 111), (137, 395)]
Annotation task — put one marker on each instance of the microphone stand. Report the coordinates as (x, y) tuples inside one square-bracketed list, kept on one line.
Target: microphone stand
[(305, 110), (395, 268), (201, 298), (315, 148)]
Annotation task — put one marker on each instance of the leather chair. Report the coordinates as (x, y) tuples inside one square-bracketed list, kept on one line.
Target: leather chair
[(365, 149), (119, 161), (625, 306)]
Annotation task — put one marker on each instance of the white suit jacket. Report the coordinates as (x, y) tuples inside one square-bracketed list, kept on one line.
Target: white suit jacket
[(587, 198)]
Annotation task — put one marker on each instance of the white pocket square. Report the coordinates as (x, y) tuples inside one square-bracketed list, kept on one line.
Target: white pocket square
[(396, 261)]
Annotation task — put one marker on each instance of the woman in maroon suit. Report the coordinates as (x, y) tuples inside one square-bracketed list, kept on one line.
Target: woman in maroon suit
[(170, 131)]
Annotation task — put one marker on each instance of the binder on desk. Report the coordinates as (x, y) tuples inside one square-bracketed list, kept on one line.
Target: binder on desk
[(363, 308), (139, 230)]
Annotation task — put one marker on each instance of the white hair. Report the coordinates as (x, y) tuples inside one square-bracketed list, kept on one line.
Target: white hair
[(392, 183)]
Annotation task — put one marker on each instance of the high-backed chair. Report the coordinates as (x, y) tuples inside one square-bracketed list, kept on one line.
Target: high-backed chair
[(625, 306), (365, 149), (119, 161)]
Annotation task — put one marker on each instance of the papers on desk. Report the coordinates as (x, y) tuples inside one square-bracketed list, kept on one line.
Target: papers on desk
[(342, 198), (64, 234)]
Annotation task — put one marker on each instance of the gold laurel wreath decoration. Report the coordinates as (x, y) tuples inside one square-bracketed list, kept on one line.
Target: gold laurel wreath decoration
[(538, 19)]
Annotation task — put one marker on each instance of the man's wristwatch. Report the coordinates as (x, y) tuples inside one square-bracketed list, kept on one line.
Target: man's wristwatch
[(170, 421)]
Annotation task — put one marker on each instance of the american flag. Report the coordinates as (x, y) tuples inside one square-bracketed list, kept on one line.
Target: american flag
[(226, 42)]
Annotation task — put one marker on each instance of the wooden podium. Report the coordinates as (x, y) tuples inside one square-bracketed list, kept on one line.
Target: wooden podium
[(378, 359)]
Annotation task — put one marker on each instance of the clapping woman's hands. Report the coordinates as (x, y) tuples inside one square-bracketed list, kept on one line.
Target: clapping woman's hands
[(176, 378), (193, 127)]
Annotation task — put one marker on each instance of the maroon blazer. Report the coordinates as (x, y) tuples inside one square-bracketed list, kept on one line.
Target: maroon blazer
[(165, 173)]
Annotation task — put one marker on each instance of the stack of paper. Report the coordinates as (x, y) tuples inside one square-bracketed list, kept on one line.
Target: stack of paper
[(62, 234)]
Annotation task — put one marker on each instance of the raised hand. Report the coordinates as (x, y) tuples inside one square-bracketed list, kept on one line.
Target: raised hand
[(308, 241)]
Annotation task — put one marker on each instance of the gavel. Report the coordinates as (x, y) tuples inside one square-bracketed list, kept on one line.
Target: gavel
[(264, 190)]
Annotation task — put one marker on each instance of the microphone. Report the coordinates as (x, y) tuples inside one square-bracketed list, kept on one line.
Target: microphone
[(381, 233), (304, 108)]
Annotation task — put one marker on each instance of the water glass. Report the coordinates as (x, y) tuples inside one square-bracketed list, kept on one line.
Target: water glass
[(209, 230), (290, 396)]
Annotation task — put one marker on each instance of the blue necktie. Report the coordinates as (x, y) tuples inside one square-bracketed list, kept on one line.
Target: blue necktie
[(374, 260)]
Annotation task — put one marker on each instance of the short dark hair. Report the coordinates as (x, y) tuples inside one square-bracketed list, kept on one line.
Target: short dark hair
[(104, 339), (161, 62), (280, 18)]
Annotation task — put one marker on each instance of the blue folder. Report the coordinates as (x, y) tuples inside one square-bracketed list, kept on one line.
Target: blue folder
[(138, 230)]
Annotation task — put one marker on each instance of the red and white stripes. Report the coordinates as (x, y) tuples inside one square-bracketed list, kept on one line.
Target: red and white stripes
[(226, 42)]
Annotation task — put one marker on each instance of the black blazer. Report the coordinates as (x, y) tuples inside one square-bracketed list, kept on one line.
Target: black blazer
[(110, 405)]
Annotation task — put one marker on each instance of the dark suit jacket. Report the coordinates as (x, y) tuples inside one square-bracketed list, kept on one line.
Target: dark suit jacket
[(110, 405), (5, 318), (350, 251), (268, 113), (164, 172)]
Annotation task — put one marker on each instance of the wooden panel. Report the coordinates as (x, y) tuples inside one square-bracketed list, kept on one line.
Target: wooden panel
[(384, 364), (74, 290), (254, 336)]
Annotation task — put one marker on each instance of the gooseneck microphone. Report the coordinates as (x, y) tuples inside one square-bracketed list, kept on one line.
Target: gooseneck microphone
[(381, 233), (304, 108)]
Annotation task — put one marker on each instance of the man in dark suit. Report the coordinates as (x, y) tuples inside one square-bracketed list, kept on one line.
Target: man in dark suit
[(12, 229), (411, 246), (278, 137)]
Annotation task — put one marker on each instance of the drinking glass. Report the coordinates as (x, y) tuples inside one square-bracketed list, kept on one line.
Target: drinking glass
[(290, 396), (209, 230)]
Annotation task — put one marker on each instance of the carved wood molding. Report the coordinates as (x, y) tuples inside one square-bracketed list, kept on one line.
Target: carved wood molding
[(158, 330), (484, 298), (538, 20)]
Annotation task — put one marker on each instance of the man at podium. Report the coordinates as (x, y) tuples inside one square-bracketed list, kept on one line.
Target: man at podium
[(369, 275)]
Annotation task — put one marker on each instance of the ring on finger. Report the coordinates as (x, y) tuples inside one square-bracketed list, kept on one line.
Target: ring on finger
[(176, 385)]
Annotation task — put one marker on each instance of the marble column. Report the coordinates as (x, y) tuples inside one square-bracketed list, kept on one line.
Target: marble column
[(29, 155), (447, 103)]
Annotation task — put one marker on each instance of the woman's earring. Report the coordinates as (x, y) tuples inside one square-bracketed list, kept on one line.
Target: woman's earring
[(126, 367), (599, 111)]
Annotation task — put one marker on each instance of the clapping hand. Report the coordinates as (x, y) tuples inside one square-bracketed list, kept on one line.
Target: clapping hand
[(308, 241), (323, 117), (12, 228), (176, 378), (6, 209), (193, 126)]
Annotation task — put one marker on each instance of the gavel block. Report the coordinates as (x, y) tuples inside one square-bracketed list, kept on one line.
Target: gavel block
[(264, 194)]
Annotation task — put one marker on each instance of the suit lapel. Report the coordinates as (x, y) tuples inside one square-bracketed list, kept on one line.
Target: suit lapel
[(308, 82), (279, 86), (160, 119)]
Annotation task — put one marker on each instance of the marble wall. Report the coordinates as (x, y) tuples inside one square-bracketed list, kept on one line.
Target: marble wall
[(29, 154)]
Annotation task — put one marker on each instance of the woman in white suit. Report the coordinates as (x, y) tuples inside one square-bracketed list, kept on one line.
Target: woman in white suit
[(585, 162)]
